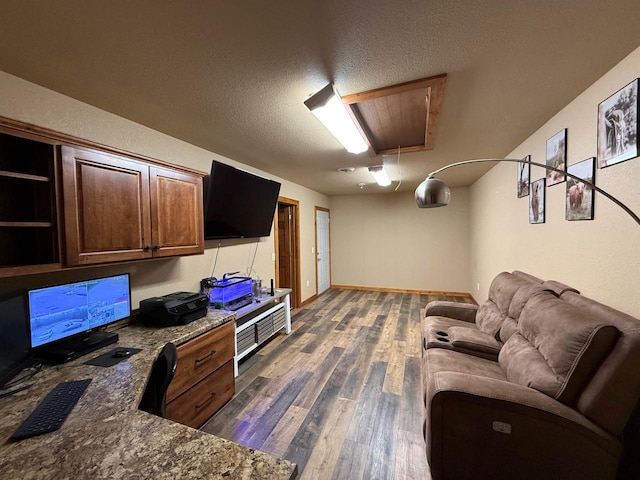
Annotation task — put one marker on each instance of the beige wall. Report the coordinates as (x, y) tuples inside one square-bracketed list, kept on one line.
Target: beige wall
[(387, 241), (601, 258), (25, 101)]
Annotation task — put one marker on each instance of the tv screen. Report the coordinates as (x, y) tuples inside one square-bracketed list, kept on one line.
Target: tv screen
[(238, 204), (62, 311)]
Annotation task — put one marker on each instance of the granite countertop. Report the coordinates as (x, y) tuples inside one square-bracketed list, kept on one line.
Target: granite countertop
[(107, 437)]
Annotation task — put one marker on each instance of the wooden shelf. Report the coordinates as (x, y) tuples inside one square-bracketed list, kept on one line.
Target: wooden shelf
[(27, 224), (24, 176)]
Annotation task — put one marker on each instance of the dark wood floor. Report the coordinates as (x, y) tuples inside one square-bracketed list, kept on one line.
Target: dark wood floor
[(341, 395)]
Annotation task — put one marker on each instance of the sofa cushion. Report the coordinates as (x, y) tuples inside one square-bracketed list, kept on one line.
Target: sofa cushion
[(519, 300), (493, 311), (556, 348), (558, 288)]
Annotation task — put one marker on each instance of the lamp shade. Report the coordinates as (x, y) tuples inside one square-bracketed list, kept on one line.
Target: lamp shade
[(432, 193)]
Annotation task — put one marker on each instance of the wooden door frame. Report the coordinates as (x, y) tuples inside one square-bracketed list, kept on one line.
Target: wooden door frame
[(315, 239), (296, 204)]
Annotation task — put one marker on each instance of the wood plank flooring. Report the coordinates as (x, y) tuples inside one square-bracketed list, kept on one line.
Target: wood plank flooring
[(341, 395)]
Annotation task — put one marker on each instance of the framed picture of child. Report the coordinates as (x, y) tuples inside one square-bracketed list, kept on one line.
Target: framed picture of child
[(618, 126)]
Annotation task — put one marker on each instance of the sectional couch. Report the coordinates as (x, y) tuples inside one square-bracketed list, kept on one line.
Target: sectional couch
[(538, 382)]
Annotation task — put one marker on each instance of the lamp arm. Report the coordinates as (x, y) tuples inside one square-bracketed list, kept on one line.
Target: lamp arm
[(597, 189)]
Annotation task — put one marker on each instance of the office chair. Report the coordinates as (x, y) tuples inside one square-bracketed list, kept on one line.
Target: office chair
[(153, 399)]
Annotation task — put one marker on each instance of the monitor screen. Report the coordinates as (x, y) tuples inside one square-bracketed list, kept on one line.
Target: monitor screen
[(238, 204), (62, 311), (14, 336)]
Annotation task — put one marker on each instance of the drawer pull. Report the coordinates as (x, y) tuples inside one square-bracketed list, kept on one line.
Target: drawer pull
[(211, 353), (207, 401)]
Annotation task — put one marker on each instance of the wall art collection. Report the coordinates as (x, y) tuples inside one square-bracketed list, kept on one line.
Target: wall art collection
[(617, 141)]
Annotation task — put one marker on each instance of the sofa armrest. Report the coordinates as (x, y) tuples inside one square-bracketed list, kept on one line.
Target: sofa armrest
[(459, 311), (480, 424)]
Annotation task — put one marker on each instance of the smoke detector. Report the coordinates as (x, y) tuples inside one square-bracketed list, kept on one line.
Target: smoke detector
[(346, 169)]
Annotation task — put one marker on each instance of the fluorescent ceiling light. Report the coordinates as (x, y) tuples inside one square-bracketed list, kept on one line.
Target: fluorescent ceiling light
[(332, 112), (378, 172)]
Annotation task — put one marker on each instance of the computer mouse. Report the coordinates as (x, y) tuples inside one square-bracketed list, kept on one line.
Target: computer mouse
[(121, 354)]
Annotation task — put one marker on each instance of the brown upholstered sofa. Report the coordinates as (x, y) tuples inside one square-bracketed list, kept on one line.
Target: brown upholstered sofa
[(536, 383)]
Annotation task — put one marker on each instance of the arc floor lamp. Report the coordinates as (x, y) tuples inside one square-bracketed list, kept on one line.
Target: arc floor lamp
[(433, 192)]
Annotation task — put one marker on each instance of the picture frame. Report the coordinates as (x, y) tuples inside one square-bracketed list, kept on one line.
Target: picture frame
[(618, 126), (536, 201), (557, 157), (579, 198), (524, 174)]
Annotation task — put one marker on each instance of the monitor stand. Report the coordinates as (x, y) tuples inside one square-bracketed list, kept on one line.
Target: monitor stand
[(76, 347)]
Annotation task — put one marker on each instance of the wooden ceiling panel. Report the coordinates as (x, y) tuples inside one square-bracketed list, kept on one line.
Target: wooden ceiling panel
[(404, 115)]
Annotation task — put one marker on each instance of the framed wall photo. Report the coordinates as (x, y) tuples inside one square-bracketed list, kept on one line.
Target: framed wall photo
[(524, 172), (536, 201), (579, 201), (618, 126), (557, 157)]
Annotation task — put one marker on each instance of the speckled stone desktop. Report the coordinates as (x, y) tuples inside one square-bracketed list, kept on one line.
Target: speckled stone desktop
[(107, 437)]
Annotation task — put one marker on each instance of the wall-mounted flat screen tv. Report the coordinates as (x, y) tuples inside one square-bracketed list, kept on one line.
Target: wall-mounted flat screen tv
[(238, 204)]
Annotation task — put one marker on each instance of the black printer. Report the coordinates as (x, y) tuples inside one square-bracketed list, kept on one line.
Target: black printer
[(177, 308)]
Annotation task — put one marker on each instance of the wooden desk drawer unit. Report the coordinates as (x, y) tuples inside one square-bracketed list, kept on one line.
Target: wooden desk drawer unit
[(197, 404), (200, 357)]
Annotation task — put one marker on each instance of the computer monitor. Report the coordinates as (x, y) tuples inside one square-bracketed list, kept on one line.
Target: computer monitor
[(67, 315), (14, 337)]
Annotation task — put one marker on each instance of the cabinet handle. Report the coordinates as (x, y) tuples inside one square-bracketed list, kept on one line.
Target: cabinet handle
[(211, 353), (155, 248), (207, 401), (146, 248)]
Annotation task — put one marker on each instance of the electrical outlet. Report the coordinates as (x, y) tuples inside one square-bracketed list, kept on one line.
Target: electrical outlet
[(478, 286), (313, 250), (307, 283), (273, 257)]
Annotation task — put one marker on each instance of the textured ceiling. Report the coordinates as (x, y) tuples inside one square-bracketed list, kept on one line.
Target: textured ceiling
[(231, 76)]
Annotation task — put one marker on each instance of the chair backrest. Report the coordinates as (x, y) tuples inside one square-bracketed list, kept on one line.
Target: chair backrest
[(153, 398)]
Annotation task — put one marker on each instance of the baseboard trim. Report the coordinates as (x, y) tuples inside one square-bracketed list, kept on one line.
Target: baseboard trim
[(308, 300), (402, 290)]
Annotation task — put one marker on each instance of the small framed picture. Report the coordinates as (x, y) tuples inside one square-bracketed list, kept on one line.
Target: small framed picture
[(579, 203), (557, 157), (524, 170), (618, 126), (536, 201)]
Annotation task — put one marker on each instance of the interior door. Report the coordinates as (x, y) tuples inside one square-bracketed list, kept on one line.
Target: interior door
[(287, 247), (285, 244), (323, 252)]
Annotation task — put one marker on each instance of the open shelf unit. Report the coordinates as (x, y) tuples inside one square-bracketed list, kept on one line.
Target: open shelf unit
[(258, 322), (28, 207)]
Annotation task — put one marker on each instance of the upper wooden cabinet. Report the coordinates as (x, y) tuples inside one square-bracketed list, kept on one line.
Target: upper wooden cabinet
[(118, 209)]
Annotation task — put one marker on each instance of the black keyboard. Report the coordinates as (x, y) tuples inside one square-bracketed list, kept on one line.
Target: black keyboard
[(53, 410)]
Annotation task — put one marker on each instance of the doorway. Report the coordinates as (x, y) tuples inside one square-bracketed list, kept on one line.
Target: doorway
[(287, 246), (323, 251)]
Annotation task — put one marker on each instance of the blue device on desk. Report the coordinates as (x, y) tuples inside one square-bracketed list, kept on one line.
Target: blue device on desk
[(230, 293)]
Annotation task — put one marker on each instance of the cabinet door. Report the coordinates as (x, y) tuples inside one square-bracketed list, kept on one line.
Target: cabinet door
[(106, 207), (176, 213)]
